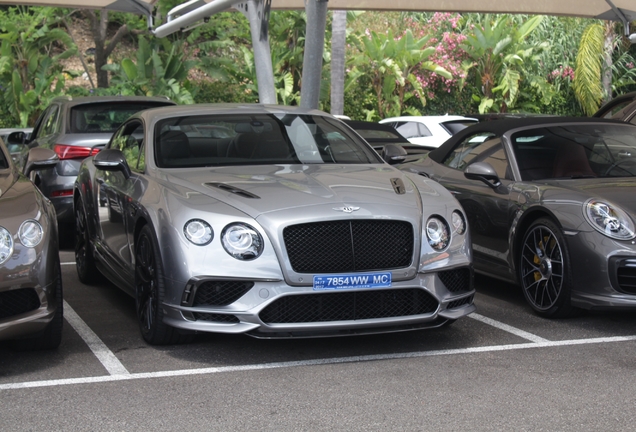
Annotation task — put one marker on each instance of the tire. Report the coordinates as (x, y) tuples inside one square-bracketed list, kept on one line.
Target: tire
[(150, 292), (545, 271), (84, 260), (51, 337)]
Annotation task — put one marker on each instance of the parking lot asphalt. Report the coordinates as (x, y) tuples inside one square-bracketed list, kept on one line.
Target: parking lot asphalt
[(502, 368)]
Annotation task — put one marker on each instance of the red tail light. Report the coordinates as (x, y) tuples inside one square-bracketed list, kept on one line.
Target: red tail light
[(73, 152), (62, 193)]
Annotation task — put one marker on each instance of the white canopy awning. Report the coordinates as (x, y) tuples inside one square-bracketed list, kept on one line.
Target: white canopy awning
[(601, 9)]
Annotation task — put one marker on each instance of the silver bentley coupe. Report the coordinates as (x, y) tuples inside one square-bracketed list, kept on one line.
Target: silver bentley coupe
[(30, 278), (285, 223), (551, 204)]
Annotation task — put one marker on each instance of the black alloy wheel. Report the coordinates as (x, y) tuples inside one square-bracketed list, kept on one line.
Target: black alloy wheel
[(544, 270), (150, 292), (84, 261)]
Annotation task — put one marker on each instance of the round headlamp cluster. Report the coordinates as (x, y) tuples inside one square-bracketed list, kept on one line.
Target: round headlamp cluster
[(6, 245), (242, 241), (609, 220), (198, 232), (458, 222), (437, 233), (30, 233)]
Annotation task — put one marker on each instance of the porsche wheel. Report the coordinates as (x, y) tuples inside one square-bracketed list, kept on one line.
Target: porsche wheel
[(84, 261), (544, 270), (150, 291)]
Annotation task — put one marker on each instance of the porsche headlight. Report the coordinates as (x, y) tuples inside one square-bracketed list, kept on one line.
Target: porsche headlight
[(198, 232), (458, 222), (437, 233), (242, 241), (609, 220), (30, 233), (6, 245)]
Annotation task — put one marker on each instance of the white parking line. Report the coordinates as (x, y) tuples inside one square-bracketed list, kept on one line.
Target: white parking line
[(317, 362), (101, 351), (507, 328)]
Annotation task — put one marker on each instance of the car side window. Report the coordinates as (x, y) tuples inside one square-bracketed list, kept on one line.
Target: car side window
[(129, 140), (424, 131), (481, 147), (50, 122), (408, 129)]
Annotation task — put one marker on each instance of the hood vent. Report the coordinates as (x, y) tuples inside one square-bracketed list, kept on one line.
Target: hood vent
[(398, 186), (232, 189)]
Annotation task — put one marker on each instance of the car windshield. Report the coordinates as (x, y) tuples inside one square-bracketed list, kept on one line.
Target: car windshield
[(257, 139), (576, 151), (106, 116)]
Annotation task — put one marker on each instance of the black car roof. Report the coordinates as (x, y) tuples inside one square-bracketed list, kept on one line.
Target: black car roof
[(500, 127)]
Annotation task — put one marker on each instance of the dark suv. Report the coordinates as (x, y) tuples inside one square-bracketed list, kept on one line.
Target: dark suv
[(76, 128)]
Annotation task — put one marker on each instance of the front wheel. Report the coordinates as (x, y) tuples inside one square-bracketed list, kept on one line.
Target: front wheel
[(544, 270), (150, 292), (84, 261)]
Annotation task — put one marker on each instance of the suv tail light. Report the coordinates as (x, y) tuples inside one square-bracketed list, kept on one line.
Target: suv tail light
[(74, 152)]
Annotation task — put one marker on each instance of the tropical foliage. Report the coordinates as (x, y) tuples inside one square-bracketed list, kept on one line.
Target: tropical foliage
[(395, 63)]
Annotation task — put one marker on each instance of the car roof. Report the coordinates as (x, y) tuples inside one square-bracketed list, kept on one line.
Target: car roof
[(436, 119), (155, 114), (72, 101), (502, 126)]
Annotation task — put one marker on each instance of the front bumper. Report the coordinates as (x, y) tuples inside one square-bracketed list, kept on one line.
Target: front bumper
[(273, 309)]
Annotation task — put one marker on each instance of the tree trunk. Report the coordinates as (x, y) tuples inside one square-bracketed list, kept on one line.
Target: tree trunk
[(312, 59), (103, 48), (338, 60), (608, 49)]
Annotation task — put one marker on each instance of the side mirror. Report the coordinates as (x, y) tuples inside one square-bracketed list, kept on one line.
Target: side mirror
[(112, 160), (40, 158), (393, 154), (16, 138), (484, 172)]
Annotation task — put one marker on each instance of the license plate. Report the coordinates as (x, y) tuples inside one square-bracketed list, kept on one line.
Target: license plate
[(362, 280)]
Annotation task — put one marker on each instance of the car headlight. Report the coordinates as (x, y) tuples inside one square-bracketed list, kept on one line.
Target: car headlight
[(609, 220), (242, 241), (30, 233), (198, 232), (458, 222), (6, 245), (437, 233)]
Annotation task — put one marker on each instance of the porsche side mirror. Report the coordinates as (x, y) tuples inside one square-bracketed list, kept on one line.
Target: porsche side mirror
[(393, 154), (40, 158), (112, 160), (484, 172)]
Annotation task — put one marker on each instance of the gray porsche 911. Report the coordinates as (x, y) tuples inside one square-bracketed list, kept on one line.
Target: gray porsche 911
[(288, 224), (30, 277), (551, 203)]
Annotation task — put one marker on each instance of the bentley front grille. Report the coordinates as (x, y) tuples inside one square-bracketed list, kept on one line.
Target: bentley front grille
[(457, 280), (19, 301), (349, 246), (220, 293), (349, 306)]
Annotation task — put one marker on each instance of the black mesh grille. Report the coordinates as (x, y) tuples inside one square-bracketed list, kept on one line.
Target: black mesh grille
[(457, 280), (348, 306), (349, 246), (18, 301), (461, 302), (627, 279), (220, 293), (226, 319)]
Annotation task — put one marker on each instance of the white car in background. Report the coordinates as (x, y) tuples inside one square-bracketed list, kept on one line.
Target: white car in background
[(429, 131)]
